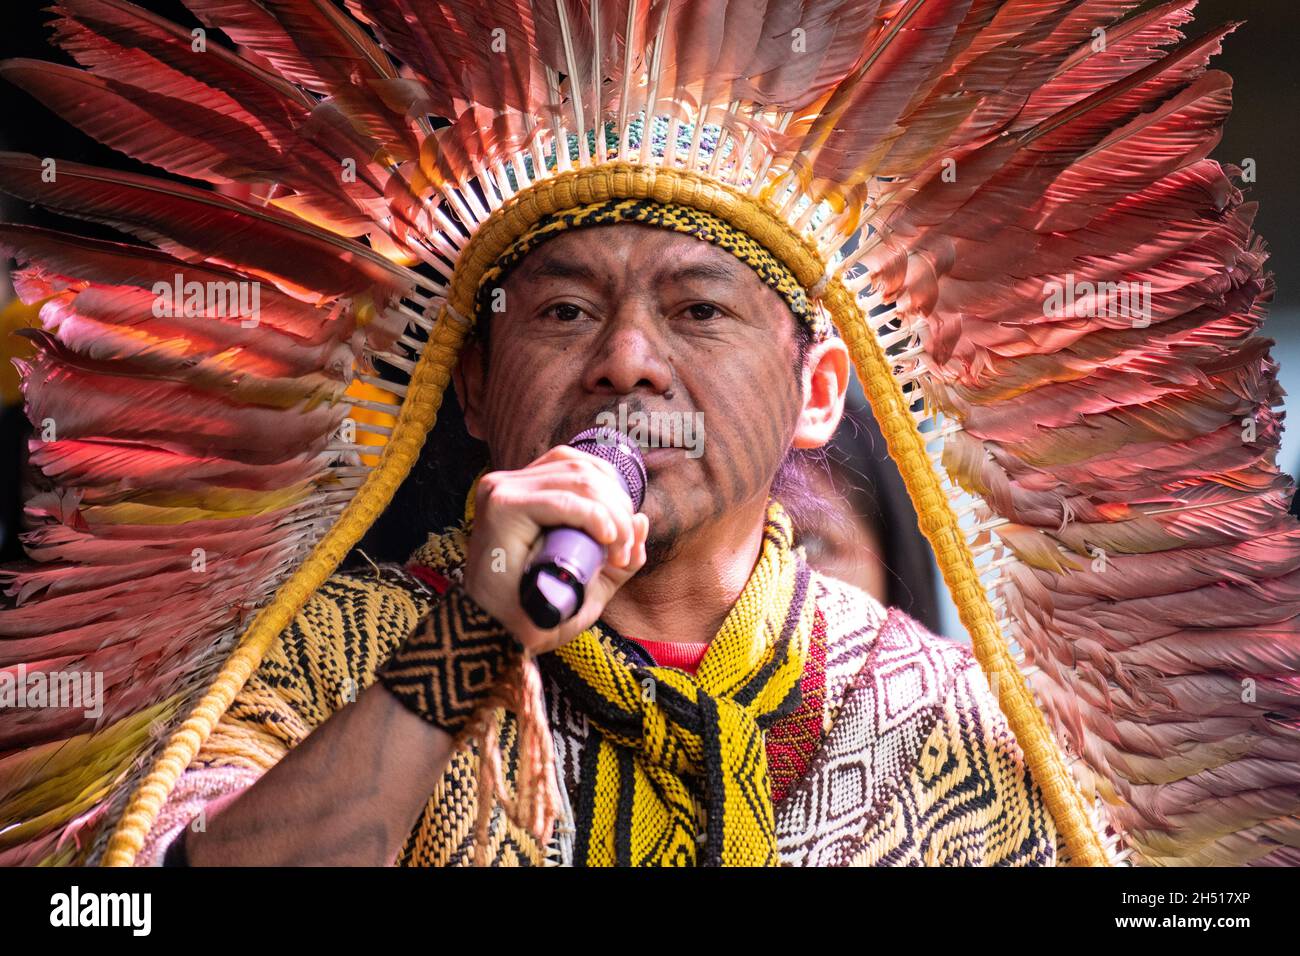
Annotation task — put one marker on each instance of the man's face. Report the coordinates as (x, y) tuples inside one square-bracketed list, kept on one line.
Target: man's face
[(656, 321)]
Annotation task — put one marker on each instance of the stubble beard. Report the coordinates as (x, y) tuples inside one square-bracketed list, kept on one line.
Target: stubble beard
[(659, 550)]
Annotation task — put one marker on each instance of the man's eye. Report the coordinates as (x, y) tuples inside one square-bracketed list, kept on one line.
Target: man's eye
[(704, 311), (565, 311)]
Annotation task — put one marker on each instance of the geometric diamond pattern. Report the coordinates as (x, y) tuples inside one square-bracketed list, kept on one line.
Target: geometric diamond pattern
[(445, 668), (919, 768)]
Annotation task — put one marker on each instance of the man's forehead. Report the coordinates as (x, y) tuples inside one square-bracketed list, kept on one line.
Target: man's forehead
[(603, 252)]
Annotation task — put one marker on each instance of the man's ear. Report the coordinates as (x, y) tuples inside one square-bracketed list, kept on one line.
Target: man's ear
[(825, 382), (468, 376)]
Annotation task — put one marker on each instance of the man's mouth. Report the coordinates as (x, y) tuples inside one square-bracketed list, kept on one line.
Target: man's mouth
[(660, 455), (657, 430)]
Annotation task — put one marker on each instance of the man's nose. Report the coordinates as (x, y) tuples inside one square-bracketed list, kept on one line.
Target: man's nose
[(631, 354)]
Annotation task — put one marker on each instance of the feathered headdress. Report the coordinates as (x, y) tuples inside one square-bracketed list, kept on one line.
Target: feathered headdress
[(1005, 207)]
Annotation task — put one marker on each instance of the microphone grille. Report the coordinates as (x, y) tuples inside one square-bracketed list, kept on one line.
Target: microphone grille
[(613, 446)]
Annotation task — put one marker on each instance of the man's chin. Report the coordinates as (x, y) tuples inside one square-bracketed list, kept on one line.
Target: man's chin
[(675, 513), (659, 550)]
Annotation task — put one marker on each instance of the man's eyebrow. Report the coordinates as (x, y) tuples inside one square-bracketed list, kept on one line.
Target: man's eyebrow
[(700, 270), (554, 267)]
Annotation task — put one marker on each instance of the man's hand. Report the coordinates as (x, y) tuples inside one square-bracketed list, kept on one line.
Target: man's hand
[(564, 487)]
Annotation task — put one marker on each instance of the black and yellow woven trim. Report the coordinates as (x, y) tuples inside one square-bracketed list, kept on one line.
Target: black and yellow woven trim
[(449, 664), (678, 218)]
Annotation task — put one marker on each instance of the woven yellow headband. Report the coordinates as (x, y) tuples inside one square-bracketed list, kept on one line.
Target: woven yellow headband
[(666, 215)]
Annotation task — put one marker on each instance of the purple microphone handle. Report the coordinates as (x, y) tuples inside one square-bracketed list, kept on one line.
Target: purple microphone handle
[(554, 584)]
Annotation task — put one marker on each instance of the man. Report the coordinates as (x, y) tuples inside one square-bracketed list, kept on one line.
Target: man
[(884, 746)]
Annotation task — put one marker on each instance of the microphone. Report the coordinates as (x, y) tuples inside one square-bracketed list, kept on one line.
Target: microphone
[(555, 582)]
